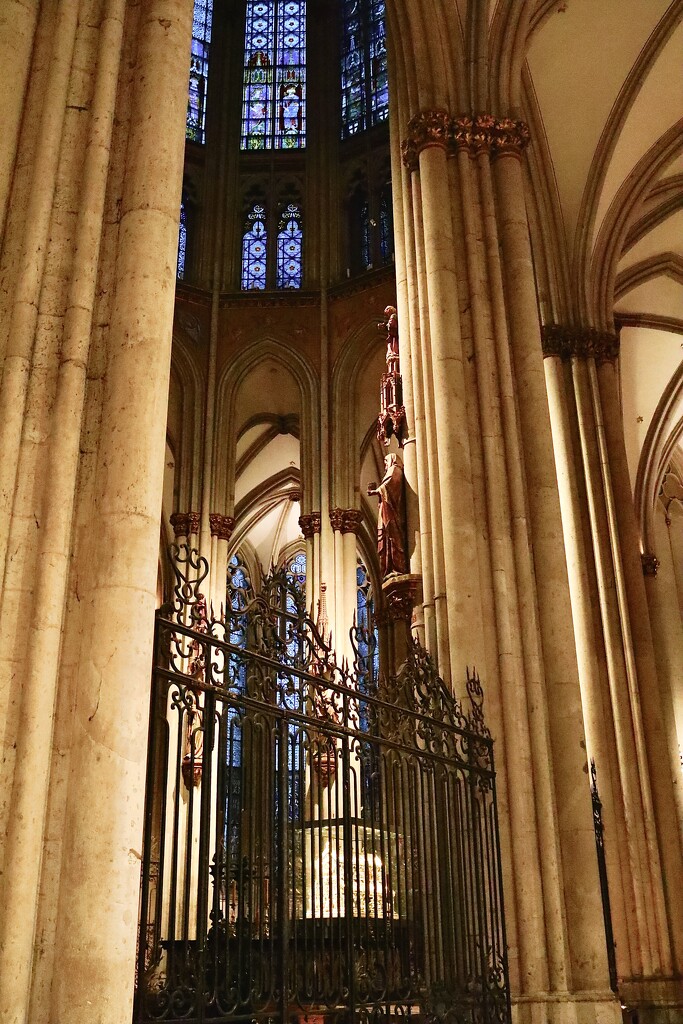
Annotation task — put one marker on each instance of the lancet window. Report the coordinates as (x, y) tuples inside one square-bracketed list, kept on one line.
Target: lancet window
[(364, 77), (254, 249), (199, 70), (274, 84), (272, 247), (289, 247), (182, 242)]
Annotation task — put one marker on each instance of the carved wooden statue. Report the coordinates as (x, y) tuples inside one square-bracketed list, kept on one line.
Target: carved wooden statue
[(391, 523)]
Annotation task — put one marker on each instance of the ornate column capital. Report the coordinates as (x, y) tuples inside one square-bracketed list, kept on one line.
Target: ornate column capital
[(400, 594), (336, 518), (650, 563), (428, 128), (310, 524), (346, 520), (352, 520), (583, 342), (485, 133), (185, 523), (221, 526)]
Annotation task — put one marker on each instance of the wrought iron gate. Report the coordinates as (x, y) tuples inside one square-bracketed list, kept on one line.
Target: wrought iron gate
[(315, 848)]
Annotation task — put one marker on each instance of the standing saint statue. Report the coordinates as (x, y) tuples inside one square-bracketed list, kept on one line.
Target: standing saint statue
[(391, 523)]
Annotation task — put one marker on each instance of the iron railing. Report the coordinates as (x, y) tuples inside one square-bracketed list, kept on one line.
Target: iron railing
[(312, 851)]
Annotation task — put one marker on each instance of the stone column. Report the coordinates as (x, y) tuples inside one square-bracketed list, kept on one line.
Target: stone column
[(426, 145), (18, 21), (310, 525), (654, 753), (26, 299), (221, 532), (96, 935)]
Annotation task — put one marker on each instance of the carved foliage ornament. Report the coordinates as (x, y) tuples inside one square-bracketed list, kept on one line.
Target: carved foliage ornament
[(346, 520), (482, 133), (310, 524), (584, 342), (650, 564), (185, 523), (221, 526)]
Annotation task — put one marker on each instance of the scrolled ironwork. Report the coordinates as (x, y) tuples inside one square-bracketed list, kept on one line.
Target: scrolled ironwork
[(319, 844)]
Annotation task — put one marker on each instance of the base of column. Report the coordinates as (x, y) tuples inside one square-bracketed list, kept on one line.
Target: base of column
[(567, 1008), (652, 1000)]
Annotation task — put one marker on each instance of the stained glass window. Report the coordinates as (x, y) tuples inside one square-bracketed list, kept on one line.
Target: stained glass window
[(289, 245), (254, 241), (199, 70), (364, 77), (274, 90), (386, 234), (182, 243)]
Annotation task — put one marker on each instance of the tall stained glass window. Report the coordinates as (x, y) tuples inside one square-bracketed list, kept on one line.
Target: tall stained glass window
[(364, 77), (199, 70), (274, 90), (289, 244), (254, 242), (182, 243)]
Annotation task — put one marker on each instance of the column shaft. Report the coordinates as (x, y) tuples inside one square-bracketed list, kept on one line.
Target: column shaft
[(97, 936)]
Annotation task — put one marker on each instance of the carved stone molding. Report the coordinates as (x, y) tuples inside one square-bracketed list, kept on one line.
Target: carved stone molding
[(428, 128), (482, 133), (295, 496), (583, 342), (310, 524), (650, 564), (221, 526), (185, 523), (400, 594)]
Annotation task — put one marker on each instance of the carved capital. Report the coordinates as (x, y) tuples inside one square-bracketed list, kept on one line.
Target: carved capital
[(650, 564), (352, 520), (400, 594), (428, 128), (485, 133), (580, 342), (294, 496), (510, 136), (185, 523), (310, 524), (221, 526), (336, 515)]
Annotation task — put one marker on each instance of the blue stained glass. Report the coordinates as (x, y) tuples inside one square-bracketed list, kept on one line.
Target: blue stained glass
[(379, 77), (289, 246), (364, 77), (274, 93), (386, 242), (254, 241), (199, 70), (182, 244)]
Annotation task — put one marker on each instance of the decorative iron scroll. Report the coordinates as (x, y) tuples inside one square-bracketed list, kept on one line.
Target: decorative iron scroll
[(337, 857)]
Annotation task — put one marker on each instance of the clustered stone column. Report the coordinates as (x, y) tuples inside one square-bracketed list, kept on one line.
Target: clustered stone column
[(89, 243), (616, 660), (346, 522), (492, 551), (310, 524)]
